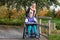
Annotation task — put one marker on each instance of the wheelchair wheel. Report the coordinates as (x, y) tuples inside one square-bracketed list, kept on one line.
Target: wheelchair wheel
[(24, 34), (38, 37)]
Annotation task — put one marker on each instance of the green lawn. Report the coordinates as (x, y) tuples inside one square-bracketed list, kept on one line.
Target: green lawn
[(20, 21), (6, 21), (55, 20), (54, 37)]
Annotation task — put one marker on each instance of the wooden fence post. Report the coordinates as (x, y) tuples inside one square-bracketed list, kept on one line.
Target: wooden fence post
[(49, 22), (40, 26), (54, 26)]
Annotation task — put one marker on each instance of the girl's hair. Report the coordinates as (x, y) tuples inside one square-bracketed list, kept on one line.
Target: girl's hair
[(27, 12), (33, 2)]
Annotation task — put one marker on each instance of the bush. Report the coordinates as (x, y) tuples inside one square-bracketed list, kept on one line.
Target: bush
[(57, 21), (11, 17), (42, 12), (16, 14), (3, 12), (58, 26), (51, 14)]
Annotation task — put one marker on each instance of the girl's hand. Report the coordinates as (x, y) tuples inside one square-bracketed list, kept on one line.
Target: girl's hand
[(30, 22)]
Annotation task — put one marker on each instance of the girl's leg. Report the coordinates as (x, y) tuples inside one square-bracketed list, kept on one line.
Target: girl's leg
[(29, 29), (34, 29)]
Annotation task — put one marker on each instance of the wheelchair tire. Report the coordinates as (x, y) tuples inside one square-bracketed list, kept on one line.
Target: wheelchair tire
[(24, 33)]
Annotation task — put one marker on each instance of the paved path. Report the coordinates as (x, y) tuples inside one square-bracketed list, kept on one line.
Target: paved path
[(14, 34)]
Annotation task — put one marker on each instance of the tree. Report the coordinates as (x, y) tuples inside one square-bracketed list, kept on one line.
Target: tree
[(40, 3), (47, 3)]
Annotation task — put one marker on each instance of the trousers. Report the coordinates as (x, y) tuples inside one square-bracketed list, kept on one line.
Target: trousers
[(33, 28)]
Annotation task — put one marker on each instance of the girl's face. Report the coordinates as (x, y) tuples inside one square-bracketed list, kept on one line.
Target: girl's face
[(30, 14)]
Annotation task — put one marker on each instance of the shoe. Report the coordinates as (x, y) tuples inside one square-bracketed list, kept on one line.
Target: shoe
[(27, 36), (37, 37), (33, 35)]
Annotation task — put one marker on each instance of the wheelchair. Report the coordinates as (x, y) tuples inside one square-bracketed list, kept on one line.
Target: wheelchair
[(25, 31)]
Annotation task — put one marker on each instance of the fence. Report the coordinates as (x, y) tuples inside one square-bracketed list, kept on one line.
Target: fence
[(40, 18)]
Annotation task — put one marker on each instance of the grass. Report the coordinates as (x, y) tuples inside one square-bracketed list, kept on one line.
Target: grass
[(54, 37), (7, 21), (20, 21), (55, 20)]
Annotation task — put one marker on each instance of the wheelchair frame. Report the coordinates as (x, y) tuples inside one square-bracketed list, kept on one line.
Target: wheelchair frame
[(24, 31)]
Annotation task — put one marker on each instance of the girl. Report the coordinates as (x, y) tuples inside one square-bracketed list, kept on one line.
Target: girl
[(32, 8), (31, 19)]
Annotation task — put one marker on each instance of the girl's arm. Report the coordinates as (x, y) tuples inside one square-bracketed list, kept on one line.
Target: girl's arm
[(35, 20)]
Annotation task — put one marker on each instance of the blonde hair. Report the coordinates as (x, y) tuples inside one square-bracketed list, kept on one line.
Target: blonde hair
[(33, 2)]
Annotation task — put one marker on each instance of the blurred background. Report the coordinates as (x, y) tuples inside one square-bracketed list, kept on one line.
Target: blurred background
[(12, 12)]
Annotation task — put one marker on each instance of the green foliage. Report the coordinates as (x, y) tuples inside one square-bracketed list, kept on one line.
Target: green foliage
[(51, 14), (16, 22), (4, 21), (40, 3), (57, 21), (54, 37), (54, 1), (58, 26), (16, 17), (20, 18), (7, 21)]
